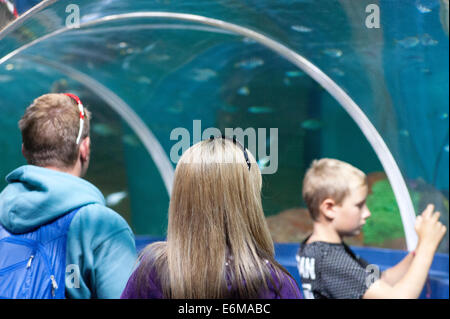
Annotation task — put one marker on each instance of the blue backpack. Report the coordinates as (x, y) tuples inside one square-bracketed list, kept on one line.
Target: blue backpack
[(33, 264)]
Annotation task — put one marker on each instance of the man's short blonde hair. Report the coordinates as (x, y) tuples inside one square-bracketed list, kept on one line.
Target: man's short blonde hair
[(50, 128), (329, 178)]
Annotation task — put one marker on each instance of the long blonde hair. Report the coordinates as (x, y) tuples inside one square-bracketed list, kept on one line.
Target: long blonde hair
[(218, 243)]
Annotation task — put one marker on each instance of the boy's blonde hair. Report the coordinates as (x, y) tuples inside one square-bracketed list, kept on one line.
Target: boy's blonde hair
[(329, 178), (50, 128)]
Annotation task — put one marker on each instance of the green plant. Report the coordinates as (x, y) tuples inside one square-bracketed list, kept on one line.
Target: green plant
[(385, 222)]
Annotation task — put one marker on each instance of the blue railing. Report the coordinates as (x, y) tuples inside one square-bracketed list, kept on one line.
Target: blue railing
[(437, 286)]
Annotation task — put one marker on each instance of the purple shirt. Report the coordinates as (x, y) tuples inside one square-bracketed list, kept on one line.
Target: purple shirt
[(289, 288)]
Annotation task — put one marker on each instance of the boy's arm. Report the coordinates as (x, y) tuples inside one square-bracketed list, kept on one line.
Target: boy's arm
[(408, 287), (394, 274), (430, 232)]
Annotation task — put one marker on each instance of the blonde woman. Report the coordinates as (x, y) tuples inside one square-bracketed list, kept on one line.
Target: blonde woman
[(218, 244)]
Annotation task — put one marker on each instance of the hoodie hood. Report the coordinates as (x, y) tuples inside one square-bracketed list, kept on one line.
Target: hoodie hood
[(36, 195)]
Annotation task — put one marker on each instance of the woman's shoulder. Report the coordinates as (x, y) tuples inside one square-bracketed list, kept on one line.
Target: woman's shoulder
[(281, 285), (145, 283)]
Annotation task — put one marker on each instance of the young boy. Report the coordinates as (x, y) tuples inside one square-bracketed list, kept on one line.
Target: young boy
[(335, 193)]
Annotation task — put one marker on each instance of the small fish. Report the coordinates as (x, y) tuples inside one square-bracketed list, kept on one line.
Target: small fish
[(263, 162), (130, 140), (116, 46), (260, 109), (245, 91), (158, 57), (334, 53), (144, 80), (294, 74), (115, 198), (444, 116), (5, 78), (427, 40), (408, 42), (446, 148), (229, 108), (203, 75), (404, 133), (9, 67), (248, 40), (250, 64), (423, 9), (103, 129), (301, 28), (178, 109), (337, 72), (312, 124), (149, 47)]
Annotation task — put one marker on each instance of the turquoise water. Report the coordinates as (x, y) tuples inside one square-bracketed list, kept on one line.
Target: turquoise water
[(173, 72)]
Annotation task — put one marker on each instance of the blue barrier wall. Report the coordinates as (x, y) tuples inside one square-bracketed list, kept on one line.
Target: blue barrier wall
[(437, 286)]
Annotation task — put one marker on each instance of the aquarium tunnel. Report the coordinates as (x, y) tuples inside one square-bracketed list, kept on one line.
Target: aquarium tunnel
[(361, 81)]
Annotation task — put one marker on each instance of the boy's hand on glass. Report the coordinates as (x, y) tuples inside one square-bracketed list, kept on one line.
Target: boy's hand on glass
[(429, 229)]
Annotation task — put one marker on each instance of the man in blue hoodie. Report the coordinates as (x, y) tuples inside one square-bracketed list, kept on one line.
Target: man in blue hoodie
[(100, 244)]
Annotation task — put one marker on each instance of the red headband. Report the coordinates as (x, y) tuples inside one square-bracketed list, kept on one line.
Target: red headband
[(82, 114)]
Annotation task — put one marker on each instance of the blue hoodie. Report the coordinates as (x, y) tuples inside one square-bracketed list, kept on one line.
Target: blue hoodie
[(99, 240)]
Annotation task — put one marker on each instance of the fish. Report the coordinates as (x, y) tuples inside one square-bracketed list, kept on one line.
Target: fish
[(444, 116), (177, 109), (229, 108), (260, 109), (115, 46), (404, 133), (250, 64), (9, 67), (248, 40), (409, 42), (427, 40), (423, 9), (203, 75), (130, 140), (294, 74), (103, 129), (263, 162), (337, 72), (158, 57), (446, 148), (243, 91), (5, 78), (149, 47), (301, 28), (312, 124), (334, 53), (144, 80), (115, 198)]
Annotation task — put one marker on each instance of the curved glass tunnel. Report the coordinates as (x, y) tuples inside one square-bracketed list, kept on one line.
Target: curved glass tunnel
[(174, 72)]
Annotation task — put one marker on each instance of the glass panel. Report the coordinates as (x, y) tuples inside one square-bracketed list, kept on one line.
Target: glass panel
[(172, 72)]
